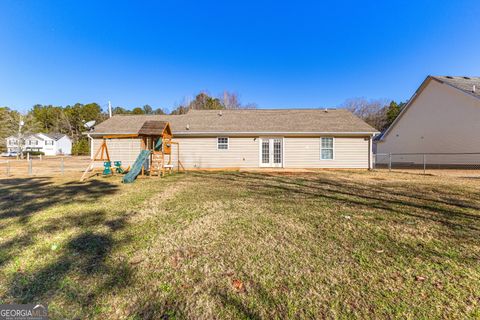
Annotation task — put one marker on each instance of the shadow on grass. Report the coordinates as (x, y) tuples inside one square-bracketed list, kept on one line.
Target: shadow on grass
[(239, 305), (9, 248), (79, 269), (449, 208), (158, 310), (245, 304), (23, 197)]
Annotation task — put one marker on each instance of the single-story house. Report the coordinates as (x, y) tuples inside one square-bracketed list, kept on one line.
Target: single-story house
[(253, 138), (443, 116), (50, 144)]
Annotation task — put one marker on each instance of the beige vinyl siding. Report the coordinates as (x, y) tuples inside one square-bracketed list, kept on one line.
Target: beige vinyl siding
[(305, 153), (202, 153), (125, 150), (441, 119), (243, 152)]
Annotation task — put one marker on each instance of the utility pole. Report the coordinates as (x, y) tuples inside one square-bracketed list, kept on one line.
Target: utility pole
[(109, 109), (19, 140)]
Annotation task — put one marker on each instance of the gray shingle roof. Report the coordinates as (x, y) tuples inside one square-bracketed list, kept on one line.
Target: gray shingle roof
[(150, 127), (244, 121), (54, 136), (463, 83)]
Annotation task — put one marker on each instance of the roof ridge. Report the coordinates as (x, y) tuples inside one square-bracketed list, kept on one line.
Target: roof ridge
[(460, 77), (268, 109)]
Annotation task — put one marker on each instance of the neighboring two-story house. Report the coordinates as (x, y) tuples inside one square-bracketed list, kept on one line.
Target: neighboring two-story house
[(50, 144), (442, 119)]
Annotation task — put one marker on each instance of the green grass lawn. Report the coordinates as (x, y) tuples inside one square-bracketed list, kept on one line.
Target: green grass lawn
[(332, 244)]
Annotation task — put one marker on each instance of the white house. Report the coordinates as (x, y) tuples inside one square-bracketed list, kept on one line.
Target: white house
[(12, 144), (50, 144), (442, 117)]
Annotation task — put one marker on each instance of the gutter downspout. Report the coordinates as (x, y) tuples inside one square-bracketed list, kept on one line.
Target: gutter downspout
[(91, 146), (370, 153)]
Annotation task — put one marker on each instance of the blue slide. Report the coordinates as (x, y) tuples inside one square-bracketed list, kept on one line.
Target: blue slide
[(136, 167)]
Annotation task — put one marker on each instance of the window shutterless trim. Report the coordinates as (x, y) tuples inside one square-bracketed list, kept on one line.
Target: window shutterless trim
[(223, 143), (332, 148)]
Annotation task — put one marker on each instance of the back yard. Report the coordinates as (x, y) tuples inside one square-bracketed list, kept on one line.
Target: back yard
[(243, 245)]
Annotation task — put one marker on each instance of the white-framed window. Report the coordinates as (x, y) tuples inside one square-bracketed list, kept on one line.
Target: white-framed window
[(326, 148), (49, 143), (222, 143)]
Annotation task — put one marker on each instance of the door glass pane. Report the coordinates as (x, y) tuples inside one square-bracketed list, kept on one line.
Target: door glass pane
[(277, 151), (265, 151)]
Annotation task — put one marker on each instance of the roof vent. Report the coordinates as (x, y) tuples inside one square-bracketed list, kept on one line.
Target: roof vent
[(474, 89), (220, 113), (188, 127), (325, 110)]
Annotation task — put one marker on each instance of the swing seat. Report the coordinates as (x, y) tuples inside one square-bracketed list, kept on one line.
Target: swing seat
[(118, 167), (107, 168)]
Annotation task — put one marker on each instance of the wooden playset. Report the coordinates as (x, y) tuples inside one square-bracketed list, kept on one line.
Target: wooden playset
[(155, 158)]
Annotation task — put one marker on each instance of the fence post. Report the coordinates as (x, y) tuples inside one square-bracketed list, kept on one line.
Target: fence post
[(8, 168), (28, 156), (30, 169), (424, 163), (62, 166), (390, 161)]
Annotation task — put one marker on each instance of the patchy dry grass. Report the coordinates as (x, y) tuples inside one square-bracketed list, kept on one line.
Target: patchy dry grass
[(244, 245)]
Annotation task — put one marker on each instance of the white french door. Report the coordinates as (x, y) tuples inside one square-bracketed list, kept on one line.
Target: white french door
[(271, 152)]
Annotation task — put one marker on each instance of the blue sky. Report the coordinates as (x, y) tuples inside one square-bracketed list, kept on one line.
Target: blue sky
[(276, 54)]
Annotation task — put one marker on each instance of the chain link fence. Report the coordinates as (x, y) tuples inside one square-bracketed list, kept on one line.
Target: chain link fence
[(463, 164), (42, 166), (429, 162)]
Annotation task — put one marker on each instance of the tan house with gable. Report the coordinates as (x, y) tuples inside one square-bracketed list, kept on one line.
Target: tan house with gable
[(443, 116), (235, 139)]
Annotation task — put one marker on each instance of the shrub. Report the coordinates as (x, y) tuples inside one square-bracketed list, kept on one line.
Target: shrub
[(81, 147)]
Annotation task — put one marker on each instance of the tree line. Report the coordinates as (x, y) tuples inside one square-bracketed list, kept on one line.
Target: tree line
[(380, 114), (71, 119), (68, 120)]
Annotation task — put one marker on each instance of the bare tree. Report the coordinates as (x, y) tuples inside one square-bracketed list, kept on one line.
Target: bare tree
[(372, 112), (231, 100)]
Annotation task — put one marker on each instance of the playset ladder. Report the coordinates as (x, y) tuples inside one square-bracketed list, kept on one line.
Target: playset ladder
[(156, 167)]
